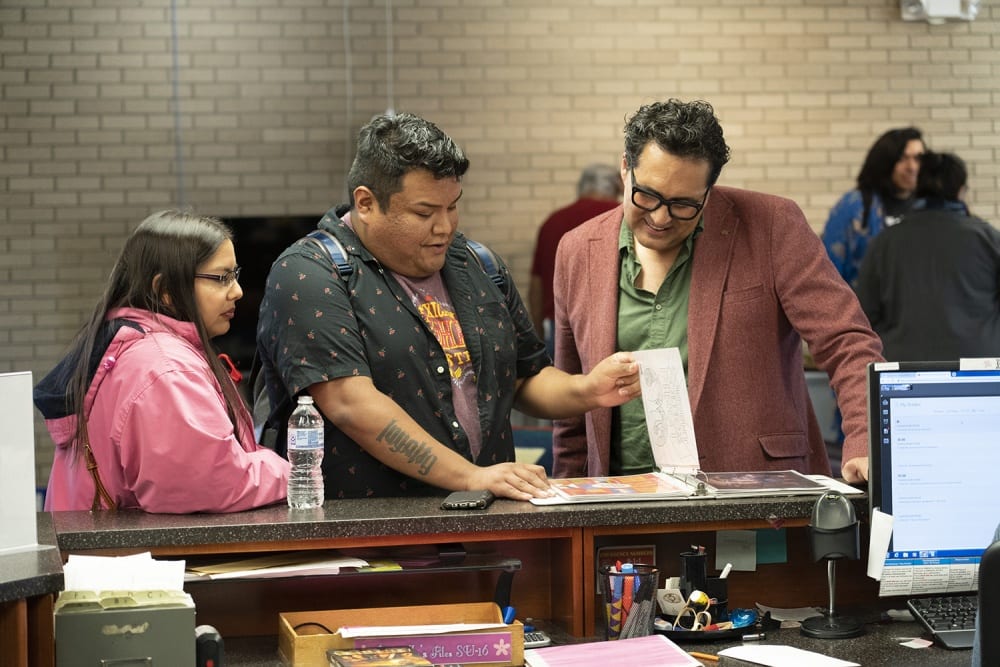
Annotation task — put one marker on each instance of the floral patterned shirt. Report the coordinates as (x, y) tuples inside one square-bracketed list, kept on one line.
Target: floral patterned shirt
[(315, 326)]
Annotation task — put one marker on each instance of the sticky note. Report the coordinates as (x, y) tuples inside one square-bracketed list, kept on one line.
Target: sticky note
[(738, 547)]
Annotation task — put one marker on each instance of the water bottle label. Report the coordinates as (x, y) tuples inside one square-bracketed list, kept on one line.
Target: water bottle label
[(305, 438)]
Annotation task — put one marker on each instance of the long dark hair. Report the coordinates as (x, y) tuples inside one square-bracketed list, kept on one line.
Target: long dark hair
[(155, 272), (875, 176)]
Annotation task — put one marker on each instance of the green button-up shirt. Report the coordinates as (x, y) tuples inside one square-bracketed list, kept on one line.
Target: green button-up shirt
[(647, 321)]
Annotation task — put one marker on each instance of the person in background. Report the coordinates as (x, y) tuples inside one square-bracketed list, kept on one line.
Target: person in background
[(930, 285), (599, 189), (734, 279), (885, 190), (142, 394), (413, 354)]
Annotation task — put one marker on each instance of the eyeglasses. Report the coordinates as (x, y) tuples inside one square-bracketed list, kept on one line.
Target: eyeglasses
[(226, 279), (679, 209)]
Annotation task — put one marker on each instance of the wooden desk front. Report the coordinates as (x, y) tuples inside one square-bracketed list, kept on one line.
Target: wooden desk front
[(555, 544)]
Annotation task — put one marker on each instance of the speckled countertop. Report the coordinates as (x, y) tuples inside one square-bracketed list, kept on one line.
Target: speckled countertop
[(377, 517), (32, 571)]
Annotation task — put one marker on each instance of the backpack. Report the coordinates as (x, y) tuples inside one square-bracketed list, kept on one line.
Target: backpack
[(267, 421)]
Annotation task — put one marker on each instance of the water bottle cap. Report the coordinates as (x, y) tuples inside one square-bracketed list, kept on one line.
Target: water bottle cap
[(305, 398)]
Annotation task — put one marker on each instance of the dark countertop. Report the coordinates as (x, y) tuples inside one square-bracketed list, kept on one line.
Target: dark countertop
[(878, 647), (34, 570), (378, 517)]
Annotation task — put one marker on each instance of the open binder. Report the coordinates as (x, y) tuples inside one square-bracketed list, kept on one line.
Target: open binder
[(671, 436)]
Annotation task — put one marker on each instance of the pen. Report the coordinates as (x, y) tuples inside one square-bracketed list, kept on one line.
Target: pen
[(754, 637), (726, 570), (704, 656)]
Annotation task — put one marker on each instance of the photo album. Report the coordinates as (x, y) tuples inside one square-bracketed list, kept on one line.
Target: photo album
[(671, 436)]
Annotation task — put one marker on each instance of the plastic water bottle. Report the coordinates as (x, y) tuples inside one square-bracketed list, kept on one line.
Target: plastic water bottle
[(305, 453)]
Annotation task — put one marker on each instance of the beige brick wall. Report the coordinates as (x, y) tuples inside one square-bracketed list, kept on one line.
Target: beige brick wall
[(270, 97)]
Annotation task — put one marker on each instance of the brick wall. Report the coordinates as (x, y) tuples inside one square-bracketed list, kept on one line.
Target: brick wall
[(94, 133)]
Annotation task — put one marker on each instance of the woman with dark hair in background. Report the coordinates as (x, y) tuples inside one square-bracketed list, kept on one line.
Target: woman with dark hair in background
[(931, 284), (886, 185), (142, 411)]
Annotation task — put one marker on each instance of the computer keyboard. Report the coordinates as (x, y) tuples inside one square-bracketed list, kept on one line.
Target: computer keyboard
[(950, 618)]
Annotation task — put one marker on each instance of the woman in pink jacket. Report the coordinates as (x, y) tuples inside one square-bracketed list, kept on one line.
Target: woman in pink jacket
[(142, 393)]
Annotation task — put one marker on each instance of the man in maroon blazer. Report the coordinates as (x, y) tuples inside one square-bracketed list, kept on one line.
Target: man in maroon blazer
[(736, 280)]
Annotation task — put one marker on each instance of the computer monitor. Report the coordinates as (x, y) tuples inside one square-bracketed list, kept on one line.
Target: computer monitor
[(934, 437)]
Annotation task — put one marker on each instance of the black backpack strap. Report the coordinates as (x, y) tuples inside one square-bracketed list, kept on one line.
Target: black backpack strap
[(488, 261), (334, 249), (268, 418)]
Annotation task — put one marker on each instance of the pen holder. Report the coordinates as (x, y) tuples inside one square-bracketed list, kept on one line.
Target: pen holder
[(693, 572), (629, 601), (718, 590)]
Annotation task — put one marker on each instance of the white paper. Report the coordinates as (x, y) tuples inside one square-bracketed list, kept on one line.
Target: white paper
[(979, 364), (738, 547), (321, 566), (18, 527), (774, 655), (836, 485), (348, 632), (668, 409), (138, 572), (878, 544), (788, 614), (917, 642)]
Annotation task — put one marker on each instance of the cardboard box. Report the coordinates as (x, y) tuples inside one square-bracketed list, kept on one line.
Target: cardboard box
[(155, 636), (303, 641)]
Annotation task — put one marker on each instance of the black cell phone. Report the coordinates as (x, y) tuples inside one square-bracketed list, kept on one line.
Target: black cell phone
[(467, 500)]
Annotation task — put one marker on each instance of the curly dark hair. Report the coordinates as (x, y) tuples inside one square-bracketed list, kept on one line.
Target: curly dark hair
[(686, 129)]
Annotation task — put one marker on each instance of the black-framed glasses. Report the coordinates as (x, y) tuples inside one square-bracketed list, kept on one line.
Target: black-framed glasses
[(226, 279), (679, 209)]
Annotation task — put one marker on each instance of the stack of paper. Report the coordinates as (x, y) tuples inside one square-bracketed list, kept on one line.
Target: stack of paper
[(651, 651)]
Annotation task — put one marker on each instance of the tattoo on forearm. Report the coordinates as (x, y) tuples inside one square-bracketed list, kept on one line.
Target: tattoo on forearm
[(415, 451)]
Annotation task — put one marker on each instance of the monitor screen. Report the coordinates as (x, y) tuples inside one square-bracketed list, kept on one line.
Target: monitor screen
[(934, 434)]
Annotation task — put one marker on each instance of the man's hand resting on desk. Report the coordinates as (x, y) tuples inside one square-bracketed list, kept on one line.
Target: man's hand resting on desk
[(855, 470), (518, 481)]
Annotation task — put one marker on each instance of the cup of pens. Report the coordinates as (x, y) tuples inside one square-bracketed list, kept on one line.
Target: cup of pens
[(629, 592)]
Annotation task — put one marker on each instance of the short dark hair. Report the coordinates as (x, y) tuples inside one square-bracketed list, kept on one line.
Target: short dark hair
[(876, 172), (942, 176), (686, 129), (390, 146)]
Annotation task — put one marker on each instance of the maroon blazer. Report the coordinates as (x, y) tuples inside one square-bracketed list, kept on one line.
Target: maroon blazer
[(761, 283)]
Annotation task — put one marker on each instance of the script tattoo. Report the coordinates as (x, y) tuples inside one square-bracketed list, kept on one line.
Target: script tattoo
[(400, 442)]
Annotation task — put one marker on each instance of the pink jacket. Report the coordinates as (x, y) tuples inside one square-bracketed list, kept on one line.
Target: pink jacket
[(760, 280), (159, 430)]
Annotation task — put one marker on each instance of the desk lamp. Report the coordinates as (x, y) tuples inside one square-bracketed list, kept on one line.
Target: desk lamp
[(833, 534)]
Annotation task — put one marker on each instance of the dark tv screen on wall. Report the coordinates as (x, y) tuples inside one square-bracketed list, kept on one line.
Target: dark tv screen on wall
[(258, 241)]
